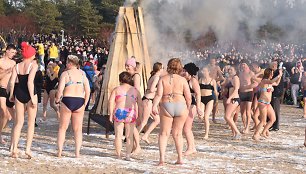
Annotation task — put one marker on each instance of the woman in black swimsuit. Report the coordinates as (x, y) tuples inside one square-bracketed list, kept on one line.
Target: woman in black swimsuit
[(25, 97), (208, 86), (189, 72), (147, 102), (232, 84), (73, 92), (131, 67), (49, 93)]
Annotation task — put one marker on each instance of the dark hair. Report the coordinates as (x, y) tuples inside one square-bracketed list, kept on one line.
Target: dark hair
[(126, 77), (174, 66), (156, 67), (267, 73), (191, 68), (10, 46)]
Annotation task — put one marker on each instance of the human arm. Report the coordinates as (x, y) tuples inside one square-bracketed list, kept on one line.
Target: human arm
[(215, 88), (219, 75), (197, 91), (137, 82), (12, 84), (236, 85), (31, 83), (186, 92), (86, 88), (157, 97), (60, 89), (111, 104)]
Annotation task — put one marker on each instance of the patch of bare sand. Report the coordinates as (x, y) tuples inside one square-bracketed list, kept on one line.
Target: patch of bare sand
[(283, 152)]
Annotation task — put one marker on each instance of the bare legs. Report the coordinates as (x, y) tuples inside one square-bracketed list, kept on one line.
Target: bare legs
[(177, 124), (215, 110), (265, 110), (77, 123), (46, 97), (147, 109), (151, 127), (188, 131), (129, 129), (305, 138), (4, 117), (246, 115), (207, 111), (32, 110), (230, 108)]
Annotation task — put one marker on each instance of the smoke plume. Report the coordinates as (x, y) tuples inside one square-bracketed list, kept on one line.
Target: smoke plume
[(169, 21)]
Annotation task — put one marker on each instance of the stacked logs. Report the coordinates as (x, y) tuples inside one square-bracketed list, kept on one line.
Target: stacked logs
[(129, 40)]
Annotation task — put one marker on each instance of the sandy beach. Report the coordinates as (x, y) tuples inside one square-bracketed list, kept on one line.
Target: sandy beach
[(283, 152)]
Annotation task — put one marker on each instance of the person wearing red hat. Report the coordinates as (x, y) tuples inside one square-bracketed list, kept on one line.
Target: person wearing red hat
[(25, 97)]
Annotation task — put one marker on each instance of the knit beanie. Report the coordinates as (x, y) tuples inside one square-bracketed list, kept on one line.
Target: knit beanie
[(131, 61), (27, 50)]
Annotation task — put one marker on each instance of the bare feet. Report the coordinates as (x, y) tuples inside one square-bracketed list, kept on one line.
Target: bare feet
[(256, 137), (2, 141), (29, 155), (190, 151), (215, 121), (237, 137), (145, 140), (245, 131), (59, 154), (305, 143), (205, 137), (178, 162), (137, 150), (161, 163), (14, 155), (44, 118)]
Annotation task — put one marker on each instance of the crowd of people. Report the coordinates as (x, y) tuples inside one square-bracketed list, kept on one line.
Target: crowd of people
[(175, 94)]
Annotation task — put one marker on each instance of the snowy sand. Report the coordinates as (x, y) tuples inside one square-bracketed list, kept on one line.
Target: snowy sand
[(283, 152)]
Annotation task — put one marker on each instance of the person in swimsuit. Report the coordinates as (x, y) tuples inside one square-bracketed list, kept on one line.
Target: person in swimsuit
[(265, 108), (122, 108), (257, 77), (25, 97), (215, 73), (49, 93), (131, 67), (6, 108), (208, 86), (189, 72), (72, 95), (174, 96), (147, 102), (247, 84), (233, 101)]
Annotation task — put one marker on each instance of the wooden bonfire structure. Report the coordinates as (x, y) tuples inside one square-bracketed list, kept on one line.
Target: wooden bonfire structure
[(129, 40)]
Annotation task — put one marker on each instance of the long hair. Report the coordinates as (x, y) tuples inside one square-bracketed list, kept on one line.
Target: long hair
[(156, 67), (267, 73)]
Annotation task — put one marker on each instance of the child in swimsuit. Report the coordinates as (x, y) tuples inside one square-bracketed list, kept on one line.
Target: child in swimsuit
[(122, 107)]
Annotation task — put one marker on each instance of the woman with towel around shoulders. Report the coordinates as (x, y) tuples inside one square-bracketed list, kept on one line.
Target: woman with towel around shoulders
[(72, 95), (174, 97)]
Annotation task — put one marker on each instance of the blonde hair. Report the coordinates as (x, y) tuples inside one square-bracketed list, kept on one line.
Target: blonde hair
[(73, 60)]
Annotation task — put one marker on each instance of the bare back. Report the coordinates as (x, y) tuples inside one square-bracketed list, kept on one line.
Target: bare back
[(173, 88), (74, 83)]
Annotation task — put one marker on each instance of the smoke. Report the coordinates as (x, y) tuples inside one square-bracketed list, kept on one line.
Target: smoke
[(169, 21), (129, 2)]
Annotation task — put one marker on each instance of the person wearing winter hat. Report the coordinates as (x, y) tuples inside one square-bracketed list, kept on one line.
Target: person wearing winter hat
[(189, 72), (131, 67), (25, 96)]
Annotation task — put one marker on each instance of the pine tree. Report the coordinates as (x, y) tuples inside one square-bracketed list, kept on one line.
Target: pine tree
[(45, 14), (89, 18), (2, 8), (70, 16)]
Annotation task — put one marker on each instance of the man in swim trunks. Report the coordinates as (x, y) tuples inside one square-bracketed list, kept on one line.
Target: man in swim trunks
[(6, 107), (216, 74)]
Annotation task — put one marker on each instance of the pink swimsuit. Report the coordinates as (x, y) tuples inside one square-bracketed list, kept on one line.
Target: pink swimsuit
[(125, 115)]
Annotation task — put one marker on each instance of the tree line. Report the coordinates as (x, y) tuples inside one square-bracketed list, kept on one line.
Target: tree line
[(90, 18)]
